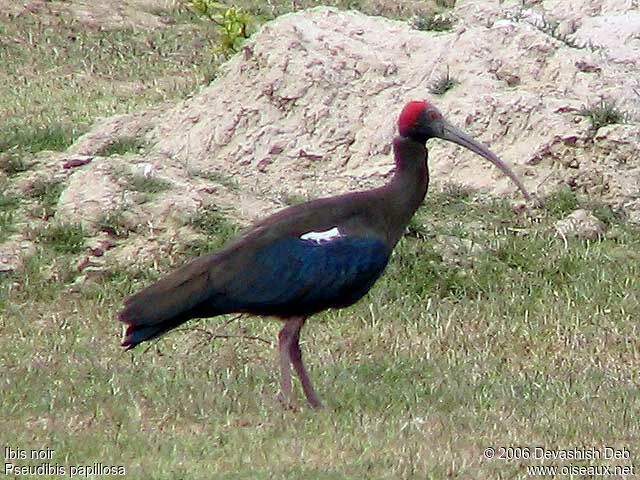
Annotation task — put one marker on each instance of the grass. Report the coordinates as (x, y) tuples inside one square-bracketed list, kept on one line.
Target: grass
[(432, 22), (523, 341), (13, 164), (221, 178), (602, 114), (561, 202), (122, 146), (531, 343), (8, 205), (114, 224), (292, 198), (7, 224), (148, 184), (443, 84), (212, 222), (118, 70), (552, 28), (8, 201), (216, 228), (62, 237), (46, 193), (34, 139)]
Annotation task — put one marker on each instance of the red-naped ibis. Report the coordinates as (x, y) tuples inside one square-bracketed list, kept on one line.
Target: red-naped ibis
[(321, 254)]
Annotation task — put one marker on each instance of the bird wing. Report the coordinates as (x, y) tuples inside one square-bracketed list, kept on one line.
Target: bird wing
[(300, 276)]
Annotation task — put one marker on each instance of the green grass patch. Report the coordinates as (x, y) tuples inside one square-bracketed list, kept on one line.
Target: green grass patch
[(606, 213), (114, 224), (561, 202), (432, 22), (7, 224), (522, 340), (13, 163), (443, 84), (221, 178), (118, 70), (47, 194), (151, 185), (292, 198), (528, 342), (212, 222), (62, 237), (216, 227), (8, 201), (35, 139), (42, 278), (602, 114), (122, 146)]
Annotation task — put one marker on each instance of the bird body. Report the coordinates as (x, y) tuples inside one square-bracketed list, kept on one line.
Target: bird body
[(284, 266), (322, 254)]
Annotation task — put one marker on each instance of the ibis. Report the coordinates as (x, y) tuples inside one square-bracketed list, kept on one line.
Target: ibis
[(322, 254)]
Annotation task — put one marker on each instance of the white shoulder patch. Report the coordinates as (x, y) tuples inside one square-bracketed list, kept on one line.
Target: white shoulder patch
[(321, 237)]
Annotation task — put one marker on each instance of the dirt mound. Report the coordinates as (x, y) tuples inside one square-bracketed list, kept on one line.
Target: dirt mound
[(308, 108)]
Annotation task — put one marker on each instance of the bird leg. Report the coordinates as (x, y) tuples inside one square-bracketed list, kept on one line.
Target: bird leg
[(290, 354), (296, 359), (284, 343)]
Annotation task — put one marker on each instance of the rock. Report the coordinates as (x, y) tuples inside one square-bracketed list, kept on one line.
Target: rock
[(77, 161), (580, 224), (12, 254), (90, 192)]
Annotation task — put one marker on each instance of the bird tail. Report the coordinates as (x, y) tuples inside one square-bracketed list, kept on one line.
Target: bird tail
[(135, 334), (168, 303)]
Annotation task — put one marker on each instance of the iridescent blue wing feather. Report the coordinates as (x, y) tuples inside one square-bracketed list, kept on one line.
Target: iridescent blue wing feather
[(298, 277)]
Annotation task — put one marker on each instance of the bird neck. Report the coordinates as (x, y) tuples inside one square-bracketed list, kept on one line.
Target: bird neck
[(408, 187)]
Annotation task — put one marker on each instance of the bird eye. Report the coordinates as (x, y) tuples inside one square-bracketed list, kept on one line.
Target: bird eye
[(433, 116)]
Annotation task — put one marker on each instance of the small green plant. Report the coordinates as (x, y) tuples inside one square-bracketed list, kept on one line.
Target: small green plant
[(417, 228), (62, 237), (223, 179), (602, 114), (47, 194), (443, 84), (552, 28), (8, 202), (433, 23), (121, 146), (453, 191), (217, 228), (13, 163), (7, 224), (233, 23), (292, 198), (606, 213), (113, 223), (212, 222), (35, 139), (561, 202), (148, 184)]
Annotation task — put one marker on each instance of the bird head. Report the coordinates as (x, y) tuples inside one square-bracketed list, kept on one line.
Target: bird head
[(421, 121)]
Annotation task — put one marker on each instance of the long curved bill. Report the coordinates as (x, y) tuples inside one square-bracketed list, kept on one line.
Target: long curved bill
[(456, 135)]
